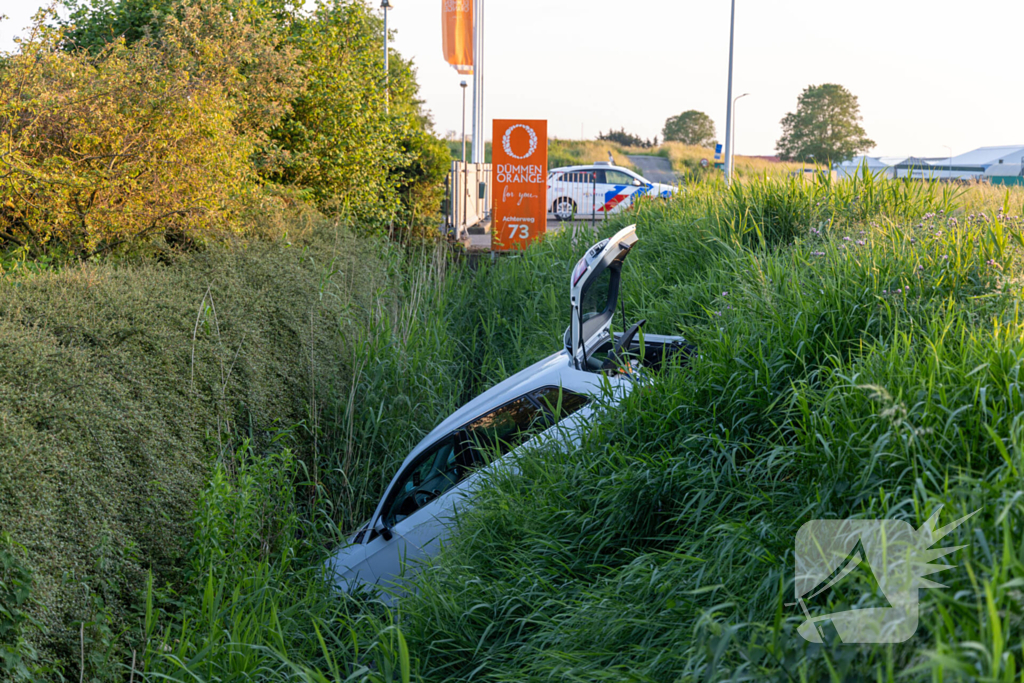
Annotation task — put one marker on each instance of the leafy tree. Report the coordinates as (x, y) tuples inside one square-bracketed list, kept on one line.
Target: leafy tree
[(339, 142), (825, 127), (690, 128), (112, 148), (332, 137), (92, 24)]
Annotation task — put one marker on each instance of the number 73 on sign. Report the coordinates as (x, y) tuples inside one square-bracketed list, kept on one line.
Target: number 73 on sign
[(519, 231)]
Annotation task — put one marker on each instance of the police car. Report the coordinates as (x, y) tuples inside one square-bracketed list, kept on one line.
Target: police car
[(598, 190)]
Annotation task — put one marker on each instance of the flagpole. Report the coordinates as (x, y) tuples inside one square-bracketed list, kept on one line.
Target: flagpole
[(728, 111), (478, 82)]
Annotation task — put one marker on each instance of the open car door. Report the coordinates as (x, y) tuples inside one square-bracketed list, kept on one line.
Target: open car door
[(594, 294)]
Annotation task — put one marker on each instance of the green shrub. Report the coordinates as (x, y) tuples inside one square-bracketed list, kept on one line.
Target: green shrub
[(18, 658), (118, 384), (111, 149)]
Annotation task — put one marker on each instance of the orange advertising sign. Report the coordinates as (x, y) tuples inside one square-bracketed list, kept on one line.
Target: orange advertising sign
[(457, 34), (520, 169)]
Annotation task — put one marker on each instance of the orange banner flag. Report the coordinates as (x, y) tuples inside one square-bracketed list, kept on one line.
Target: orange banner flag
[(457, 29)]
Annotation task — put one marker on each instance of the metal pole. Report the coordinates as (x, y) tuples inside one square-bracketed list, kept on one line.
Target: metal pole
[(479, 146), (465, 166), (387, 74), (593, 199), (728, 113), (735, 115), (463, 86)]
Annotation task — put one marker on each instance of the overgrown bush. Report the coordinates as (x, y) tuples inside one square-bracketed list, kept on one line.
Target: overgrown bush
[(165, 135), (867, 366), (131, 143), (18, 657), (120, 385)]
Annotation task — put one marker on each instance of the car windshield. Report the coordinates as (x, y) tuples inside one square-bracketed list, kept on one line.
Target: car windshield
[(560, 404)]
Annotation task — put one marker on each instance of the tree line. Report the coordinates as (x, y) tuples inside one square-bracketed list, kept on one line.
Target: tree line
[(167, 122), (825, 127)]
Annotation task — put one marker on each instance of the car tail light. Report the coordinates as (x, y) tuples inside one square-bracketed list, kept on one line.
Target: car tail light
[(579, 270)]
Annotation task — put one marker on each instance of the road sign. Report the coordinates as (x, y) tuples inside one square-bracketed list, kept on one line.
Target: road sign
[(703, 163), (520, 172)]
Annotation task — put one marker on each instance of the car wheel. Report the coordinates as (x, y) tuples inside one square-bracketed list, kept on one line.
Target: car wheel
[(564, 208)]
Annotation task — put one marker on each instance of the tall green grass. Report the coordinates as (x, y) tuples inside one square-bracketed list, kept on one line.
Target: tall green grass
[(859, 358), (860, 347)]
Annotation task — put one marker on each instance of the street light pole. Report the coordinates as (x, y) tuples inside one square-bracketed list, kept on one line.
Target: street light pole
[(463, 191), (728, 113), (463, 86), (732, 141), (479, 146), (386, 5)]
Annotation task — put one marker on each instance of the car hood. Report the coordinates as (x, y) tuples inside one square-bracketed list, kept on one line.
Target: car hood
[(662, 190)]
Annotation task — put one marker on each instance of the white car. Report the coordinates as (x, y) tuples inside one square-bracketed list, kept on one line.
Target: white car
[(548, 400), (598, 189)]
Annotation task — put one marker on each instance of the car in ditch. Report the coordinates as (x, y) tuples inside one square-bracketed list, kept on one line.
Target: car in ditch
[(598, 190), (551, 399)]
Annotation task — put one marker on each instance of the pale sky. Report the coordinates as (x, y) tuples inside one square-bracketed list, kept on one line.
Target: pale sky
[(929, 73)]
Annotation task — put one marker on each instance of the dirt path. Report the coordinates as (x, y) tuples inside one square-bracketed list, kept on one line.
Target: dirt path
[(655, 169)]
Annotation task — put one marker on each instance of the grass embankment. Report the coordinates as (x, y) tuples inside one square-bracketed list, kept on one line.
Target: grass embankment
[(123, 386), (686, 162), (860, 347), (685, 159), (859, 351), (561, 152)]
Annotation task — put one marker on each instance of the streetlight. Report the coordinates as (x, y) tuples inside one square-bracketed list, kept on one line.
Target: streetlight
[(732, 142), (465, 167), (463, 86), (386, 5), (728, 102)]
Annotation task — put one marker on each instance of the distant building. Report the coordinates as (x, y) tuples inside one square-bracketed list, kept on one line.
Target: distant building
[(875, 165), (998, 165), (1005, 174)]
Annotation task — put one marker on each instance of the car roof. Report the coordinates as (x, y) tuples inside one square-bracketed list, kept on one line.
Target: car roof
[(603, 167), (554, 370)]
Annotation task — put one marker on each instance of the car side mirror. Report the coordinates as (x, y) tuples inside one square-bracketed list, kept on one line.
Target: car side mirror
[(636, 182), (382, 528)]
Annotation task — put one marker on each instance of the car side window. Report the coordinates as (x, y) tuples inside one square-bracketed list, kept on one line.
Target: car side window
[(599, 174), (619, 178), (442, 466), (432, 474), (586, 177), (559, 402), (501, 430)]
